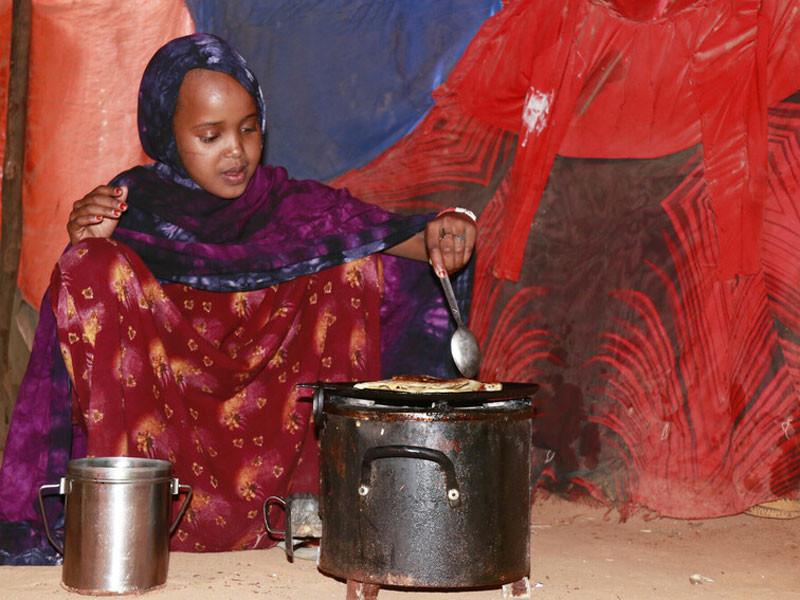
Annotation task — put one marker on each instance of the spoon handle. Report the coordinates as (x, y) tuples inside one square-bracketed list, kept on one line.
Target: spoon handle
[(451, 299)]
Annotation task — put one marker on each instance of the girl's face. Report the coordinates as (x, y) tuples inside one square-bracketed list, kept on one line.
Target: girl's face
[(217, 132)]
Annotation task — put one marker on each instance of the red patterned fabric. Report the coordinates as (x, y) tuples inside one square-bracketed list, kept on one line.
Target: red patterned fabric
[(588, 80), (207, 380), (654, 294)]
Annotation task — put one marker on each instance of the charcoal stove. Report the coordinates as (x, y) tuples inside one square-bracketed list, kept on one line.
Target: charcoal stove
[(425, 491)]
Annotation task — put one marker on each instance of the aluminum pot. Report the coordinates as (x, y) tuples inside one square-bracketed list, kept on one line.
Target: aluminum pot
[(116, 523), (430, 495)]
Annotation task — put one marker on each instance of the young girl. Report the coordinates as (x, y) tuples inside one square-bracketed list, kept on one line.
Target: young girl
[(197, 293)]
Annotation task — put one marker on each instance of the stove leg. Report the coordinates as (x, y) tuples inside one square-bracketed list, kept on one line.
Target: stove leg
[(521, 588), (356, 590)]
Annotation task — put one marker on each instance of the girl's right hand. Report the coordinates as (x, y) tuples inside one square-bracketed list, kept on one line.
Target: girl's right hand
[(97, 213)]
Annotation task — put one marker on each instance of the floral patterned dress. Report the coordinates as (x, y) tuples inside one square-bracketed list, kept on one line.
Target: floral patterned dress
[(207, 380)]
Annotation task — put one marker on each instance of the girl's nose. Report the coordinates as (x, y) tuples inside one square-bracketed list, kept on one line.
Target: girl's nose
[(236, 149)]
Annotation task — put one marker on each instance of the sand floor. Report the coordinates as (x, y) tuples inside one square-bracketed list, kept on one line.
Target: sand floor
[(578, 552)]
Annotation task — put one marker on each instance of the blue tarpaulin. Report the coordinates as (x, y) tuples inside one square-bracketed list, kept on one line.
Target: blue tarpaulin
[(343, 79)]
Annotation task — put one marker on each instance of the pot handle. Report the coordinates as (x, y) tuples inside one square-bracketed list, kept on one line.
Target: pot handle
[(281, 501), (177, 488), (318, 409), (61, 487), (418, 452), (287, 534)]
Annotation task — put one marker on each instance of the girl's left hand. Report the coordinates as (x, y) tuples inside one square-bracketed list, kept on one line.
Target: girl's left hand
[(449, 241)]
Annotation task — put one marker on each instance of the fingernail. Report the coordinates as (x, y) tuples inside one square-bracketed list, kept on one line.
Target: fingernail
[(123, 206), (98, 218), (116, 213), (117, 191)]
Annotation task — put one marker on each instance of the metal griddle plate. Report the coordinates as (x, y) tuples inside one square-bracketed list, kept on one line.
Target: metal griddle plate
[(510, 391)]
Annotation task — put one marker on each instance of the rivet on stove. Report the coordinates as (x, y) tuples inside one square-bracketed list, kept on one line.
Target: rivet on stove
[(363, 490)]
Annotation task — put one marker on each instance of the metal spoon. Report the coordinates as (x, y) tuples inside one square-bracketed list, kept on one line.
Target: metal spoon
[(463, 345)]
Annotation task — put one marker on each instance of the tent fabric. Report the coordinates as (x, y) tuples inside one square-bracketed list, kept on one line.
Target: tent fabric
[(638, 234), (592, 82), (86, 59), (654, 240)]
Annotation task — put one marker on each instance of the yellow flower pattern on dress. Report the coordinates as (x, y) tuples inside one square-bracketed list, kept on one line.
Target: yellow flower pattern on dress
[(145, 442), (239, 304), (93, 415), (353, 275), (91, 328), (233, 420), (158, 359), (121, 274), (277, 359)]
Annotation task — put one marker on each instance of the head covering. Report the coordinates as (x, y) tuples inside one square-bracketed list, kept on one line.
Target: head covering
[(161, 82)]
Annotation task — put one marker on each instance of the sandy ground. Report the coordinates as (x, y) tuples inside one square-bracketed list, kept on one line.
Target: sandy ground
[(578, 552)]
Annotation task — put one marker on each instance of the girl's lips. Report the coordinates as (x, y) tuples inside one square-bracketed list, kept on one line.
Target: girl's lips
[(235, 176)]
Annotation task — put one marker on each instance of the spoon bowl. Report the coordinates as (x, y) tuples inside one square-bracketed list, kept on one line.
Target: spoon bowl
[(466, 352), (463, 345)]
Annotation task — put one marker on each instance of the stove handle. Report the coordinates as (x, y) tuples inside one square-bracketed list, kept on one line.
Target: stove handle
[(418, 452)]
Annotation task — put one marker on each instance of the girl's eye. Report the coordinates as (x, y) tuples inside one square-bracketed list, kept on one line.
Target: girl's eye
[(207, 139)]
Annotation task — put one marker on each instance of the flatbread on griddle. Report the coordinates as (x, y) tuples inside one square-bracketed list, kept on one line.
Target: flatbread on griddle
[(424, 384)]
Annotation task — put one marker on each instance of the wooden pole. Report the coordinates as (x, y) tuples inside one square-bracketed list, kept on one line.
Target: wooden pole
[(11, 240)]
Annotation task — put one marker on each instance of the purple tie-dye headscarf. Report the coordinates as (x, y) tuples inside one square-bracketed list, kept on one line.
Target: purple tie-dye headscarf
[(158, 91)]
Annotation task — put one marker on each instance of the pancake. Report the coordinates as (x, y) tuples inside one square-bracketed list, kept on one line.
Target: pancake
[(424, 384)]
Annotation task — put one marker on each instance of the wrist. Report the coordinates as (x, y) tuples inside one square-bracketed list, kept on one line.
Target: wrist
[(459, 210)]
